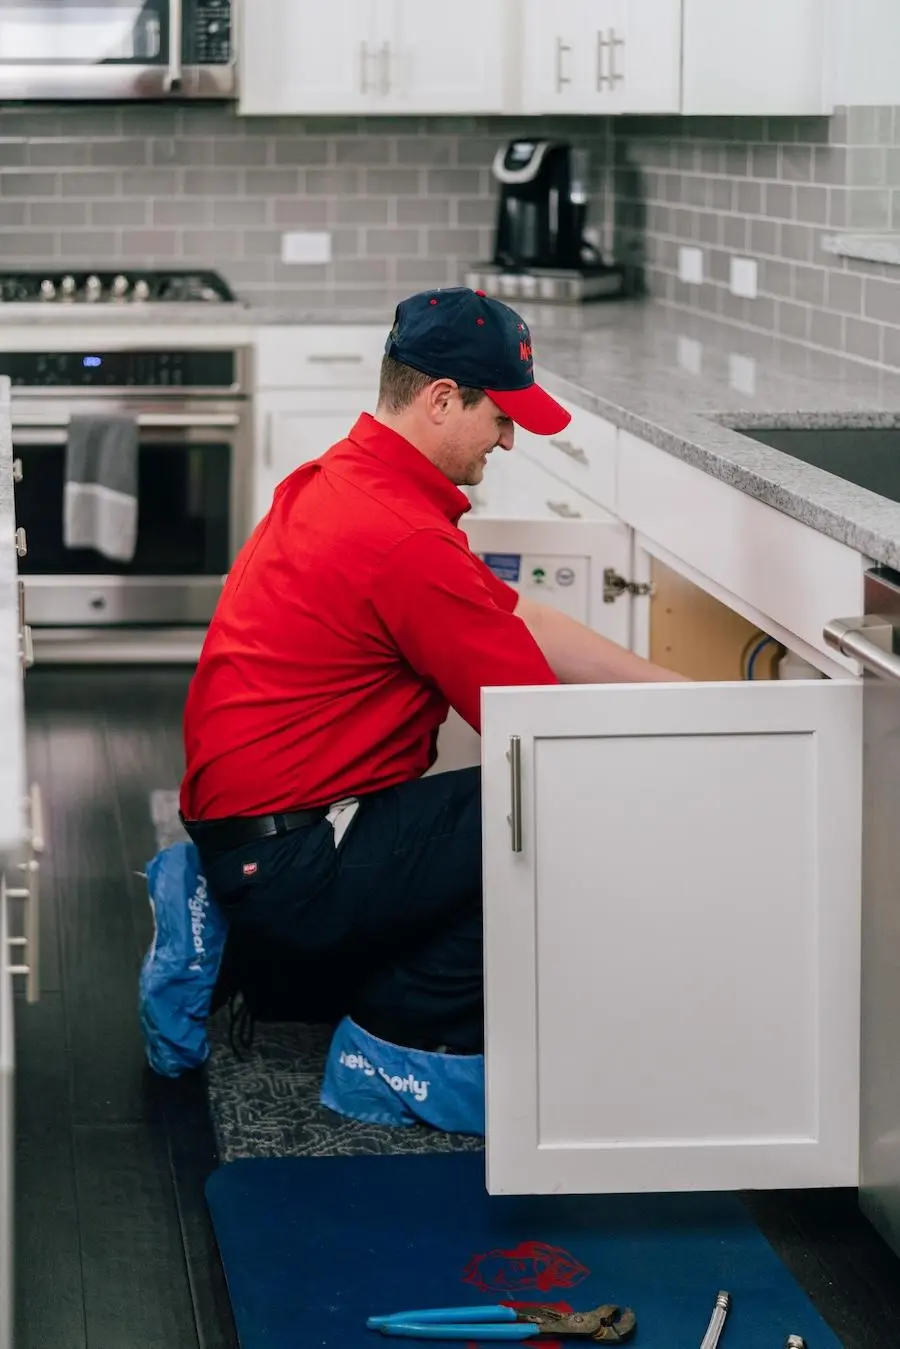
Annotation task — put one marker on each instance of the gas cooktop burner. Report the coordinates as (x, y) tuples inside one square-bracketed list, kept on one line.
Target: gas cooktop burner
[(119, 287)]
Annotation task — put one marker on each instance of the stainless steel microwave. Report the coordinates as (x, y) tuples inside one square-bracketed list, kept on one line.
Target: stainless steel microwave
[(116, 49)]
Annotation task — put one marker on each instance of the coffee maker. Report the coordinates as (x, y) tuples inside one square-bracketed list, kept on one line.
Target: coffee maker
[(539, 247)]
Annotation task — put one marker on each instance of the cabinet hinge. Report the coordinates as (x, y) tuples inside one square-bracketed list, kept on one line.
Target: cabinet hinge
[(615, 585)]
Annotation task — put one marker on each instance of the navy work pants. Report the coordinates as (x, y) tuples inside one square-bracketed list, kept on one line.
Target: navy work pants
[(388, 924)]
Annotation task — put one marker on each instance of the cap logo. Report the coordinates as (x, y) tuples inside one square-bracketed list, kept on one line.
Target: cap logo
[(526, 351)]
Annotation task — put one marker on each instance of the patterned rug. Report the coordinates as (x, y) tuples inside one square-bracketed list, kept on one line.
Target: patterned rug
[(264, 1101)]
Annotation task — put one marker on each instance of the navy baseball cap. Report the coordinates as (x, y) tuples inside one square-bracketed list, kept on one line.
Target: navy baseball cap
[(462, 334)]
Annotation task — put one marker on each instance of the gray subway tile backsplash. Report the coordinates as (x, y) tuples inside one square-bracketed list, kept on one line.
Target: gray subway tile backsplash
[(410, 202), (791, 181)]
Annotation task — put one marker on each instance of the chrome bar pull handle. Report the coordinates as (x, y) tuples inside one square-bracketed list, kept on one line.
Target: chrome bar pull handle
[(564, 509), (561, 79), (514, 755), (869, 639)]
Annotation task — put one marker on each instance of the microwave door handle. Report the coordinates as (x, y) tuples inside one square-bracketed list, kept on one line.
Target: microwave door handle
[(172, 82)]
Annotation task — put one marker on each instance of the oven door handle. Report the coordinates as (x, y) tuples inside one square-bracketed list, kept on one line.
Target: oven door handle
[(869, 639), (150, 421)]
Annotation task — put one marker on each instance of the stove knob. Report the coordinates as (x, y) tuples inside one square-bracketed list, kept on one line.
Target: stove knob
[(141, 290), (120, 287), (48, 290), (67, 286), (93, 288)]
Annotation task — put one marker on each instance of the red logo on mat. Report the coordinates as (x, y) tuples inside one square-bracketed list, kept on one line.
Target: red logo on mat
[(250, 868), (530, 1265)]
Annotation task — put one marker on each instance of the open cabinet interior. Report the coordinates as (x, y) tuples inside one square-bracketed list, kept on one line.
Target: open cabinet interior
[(698, 636)]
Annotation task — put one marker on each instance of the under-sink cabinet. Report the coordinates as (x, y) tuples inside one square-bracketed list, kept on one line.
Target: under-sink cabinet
[(671, 871)]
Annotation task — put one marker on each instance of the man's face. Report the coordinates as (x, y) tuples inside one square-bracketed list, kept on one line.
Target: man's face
[(470, 434)]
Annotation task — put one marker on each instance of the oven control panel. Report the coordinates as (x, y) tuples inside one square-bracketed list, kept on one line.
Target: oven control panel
[(120, 369)]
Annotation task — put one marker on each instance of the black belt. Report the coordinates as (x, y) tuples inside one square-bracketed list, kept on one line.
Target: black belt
[(234, 832)]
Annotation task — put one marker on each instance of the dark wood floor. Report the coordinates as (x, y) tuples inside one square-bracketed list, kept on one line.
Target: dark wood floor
[(114, 1247)]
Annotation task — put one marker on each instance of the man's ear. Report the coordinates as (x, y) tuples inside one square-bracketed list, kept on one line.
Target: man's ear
[(438, 397)]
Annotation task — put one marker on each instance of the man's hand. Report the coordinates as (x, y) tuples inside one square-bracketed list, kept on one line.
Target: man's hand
[(578, 655)]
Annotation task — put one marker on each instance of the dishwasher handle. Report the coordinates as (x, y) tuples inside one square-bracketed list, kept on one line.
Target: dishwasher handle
[(868, 639)]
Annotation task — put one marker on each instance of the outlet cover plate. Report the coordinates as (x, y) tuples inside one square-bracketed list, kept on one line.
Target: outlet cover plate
[(306, 246), (743, 280), (690, 265)]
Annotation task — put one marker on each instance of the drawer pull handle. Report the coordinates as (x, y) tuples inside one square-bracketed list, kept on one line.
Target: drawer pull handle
[(17, 470), (27, 647), (514, 819), (337, 358), (37, 818), (21, 542), (573, 451), (564, 509)]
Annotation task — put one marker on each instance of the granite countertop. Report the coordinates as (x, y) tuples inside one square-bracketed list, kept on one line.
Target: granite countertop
[(12, 716), (684, 382), (681, 381)]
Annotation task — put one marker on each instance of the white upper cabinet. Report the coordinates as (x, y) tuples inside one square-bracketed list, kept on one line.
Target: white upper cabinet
[(602, 56), (296, 56), (534, 56), (460, 66), (675, 56), (375, 56), (765, 58), (672, 936)]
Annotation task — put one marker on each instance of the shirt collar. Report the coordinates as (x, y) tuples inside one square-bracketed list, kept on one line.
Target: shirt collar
[(399, 453)]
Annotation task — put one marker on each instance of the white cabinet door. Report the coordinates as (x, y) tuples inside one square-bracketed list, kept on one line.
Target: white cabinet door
[(764, 59), (293, 429), (611, 56), (552, 76), (460, 67), (672, 956), (297, 56)]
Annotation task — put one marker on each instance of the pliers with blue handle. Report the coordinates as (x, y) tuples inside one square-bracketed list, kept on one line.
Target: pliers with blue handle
[(608, 1324)]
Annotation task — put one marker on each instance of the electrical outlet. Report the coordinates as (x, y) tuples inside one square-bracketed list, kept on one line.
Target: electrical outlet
[(690, 354), (742, 374), (743, 278), (306, 246), (690, 265)]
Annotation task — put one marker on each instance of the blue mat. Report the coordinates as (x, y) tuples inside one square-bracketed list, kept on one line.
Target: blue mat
[(312, 1246)]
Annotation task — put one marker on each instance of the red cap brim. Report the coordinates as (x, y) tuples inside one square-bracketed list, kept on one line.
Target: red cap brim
[(533, 409)]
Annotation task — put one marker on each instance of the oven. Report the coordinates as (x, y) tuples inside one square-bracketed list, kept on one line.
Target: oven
[(116, 49), (192, 419)]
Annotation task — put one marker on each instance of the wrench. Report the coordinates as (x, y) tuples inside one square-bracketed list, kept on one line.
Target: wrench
[(716, 1321)]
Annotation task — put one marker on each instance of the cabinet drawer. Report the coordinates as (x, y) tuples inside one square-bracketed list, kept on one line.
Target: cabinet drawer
[(583, 455), (333, 356), (777, 566), (516, 488)]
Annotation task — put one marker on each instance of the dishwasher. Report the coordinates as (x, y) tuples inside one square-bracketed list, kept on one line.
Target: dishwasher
[(874, 640)]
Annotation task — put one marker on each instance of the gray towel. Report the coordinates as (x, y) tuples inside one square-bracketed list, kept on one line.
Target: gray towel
[(100, 496)]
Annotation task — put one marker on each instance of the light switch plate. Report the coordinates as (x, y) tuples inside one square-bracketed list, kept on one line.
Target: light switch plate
[(690, 265), (306, 246), (743, 278)]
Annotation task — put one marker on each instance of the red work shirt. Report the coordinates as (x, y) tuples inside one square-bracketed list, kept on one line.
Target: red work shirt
[(353, 617)]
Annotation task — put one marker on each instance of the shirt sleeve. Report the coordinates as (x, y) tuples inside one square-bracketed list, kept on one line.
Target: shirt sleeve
[(452, 624)]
